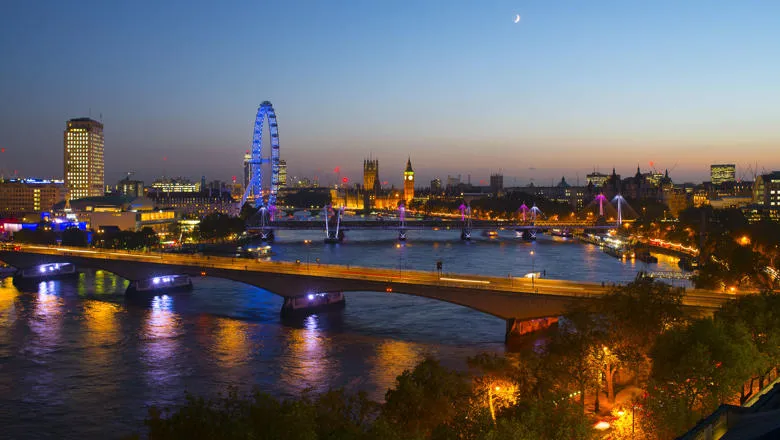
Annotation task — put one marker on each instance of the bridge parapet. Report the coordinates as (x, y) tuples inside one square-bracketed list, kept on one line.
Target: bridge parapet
[(518, 299)]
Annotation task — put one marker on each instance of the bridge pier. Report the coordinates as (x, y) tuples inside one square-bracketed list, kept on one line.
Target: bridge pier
[(267, 235), (334, 237), (402, 235), (465, 234), (526, 234), (516, 328), (312, 302)]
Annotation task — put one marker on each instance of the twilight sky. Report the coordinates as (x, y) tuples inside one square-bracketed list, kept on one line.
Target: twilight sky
[(576, 85)]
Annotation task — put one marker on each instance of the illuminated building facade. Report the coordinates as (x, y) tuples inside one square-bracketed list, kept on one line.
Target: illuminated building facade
[(370, 173), (130, 188), (177, 185), (721, 173), (247, 168), (371, 185), (436, 186), (19, 196), (282, 173), (597, 179), (83, 150), (408, 182), (766, 193), (197, 204)]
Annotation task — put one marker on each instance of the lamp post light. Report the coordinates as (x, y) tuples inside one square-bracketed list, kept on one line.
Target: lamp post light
[(308, 253)]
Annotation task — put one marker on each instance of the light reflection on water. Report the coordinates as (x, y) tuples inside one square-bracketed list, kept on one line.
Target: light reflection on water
[(391, 357), (78, 354), (307, 357), (159, 350), (44, 342)]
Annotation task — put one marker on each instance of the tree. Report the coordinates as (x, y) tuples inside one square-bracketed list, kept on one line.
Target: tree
[(218, 226), (41, 235), (569, 352), (74, 237), (634, 315), (759, 315), (425, 397), (148, 237), (543, 420), (703, 363), (499, 381)]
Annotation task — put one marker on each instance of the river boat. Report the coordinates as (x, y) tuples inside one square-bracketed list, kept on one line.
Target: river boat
[(644, 255), (45, 272), (617, 252), (565, 233), (161, 284), (313, 302), (254, 252)]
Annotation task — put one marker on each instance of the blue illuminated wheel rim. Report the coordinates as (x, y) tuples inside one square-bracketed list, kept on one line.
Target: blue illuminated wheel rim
[(254, 188)]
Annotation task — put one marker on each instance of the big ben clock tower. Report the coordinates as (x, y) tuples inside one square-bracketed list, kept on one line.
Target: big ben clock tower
[(408, 182)]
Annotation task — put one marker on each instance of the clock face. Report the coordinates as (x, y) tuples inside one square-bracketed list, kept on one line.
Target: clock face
[(409, 177)]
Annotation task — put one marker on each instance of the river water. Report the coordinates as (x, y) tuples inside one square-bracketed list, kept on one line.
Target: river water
[(79, 360)]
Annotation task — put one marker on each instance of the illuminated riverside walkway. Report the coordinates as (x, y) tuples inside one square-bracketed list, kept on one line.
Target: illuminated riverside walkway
[(516, 300)]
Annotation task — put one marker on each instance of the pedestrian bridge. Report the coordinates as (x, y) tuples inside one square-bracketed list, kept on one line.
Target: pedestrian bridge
[(519, 301)]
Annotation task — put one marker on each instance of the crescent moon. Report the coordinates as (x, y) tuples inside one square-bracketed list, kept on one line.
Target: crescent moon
[(517, 18)]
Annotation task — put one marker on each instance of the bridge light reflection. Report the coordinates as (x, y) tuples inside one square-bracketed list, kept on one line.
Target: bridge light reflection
[(8, 295), (233, 346), (160, 344), (309, 361)]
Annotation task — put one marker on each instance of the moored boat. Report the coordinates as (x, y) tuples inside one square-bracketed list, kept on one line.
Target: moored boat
[(161, 284), (45, 272)]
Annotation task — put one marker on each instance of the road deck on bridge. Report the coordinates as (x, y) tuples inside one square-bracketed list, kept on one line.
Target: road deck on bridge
[(394, 224), (378, 276)]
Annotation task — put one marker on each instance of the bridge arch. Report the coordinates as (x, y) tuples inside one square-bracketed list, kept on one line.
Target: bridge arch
[(254, 187)]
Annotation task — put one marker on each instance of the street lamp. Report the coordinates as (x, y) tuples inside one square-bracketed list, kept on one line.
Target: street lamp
[(308, 253)]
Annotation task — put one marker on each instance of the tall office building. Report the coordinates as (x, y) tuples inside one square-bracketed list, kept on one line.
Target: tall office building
[(84, 167), (496, 182), (282, 173), (247, 168), (723, 173), (130, 188)]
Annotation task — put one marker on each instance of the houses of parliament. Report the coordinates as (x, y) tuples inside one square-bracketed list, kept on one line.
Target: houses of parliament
[(370, 195)]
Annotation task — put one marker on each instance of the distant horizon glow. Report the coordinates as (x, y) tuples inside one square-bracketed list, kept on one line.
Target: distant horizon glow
[(462, 90)]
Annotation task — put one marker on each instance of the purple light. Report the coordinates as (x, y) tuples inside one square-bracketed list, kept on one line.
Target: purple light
[(156, 280), (43, 270), (311, 297)]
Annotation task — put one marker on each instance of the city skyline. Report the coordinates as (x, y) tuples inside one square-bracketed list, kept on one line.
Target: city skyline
[(562, 92)]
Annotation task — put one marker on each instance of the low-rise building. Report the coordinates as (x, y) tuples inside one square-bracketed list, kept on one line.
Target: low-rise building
[(197, 204), (121, 212), (20, 196)]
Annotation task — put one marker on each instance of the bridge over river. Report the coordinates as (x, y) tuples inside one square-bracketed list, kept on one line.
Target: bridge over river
[(525, 303)]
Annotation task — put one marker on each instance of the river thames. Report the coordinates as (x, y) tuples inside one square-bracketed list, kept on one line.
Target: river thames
[(80, 360)]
